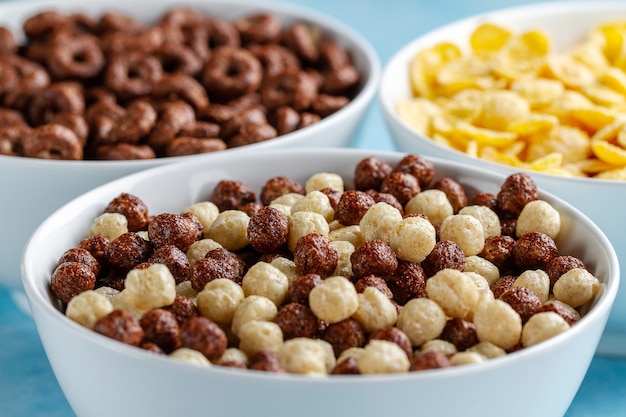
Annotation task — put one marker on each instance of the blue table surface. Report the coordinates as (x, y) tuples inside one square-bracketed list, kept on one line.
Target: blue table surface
[(27, 384)]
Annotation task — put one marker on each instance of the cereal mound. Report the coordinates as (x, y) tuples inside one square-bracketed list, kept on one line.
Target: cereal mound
[(322, 278), (114, 88), (510, 99)]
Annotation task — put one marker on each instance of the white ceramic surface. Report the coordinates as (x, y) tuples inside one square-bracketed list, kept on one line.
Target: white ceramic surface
[(565, 23), (102, 377), (31, 189)]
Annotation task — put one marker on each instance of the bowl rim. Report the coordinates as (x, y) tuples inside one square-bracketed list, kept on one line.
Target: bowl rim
[(40, 303), (433, 36), (339, 29)]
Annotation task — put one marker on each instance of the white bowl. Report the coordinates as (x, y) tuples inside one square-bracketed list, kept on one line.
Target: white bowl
[(565, 23), (31, 189), (141, 383)]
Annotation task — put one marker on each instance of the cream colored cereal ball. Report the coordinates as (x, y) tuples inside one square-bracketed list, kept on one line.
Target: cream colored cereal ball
[(439, 345), (284, 209), (498, 323), (576, 287), (466, 358), (190, 356), (464, 230), (199, 249), (352, 352), (109, 225), (230, 229), (351, 234), (88, 307), (256, 336), (538, 216), (302, 355), (108, 292), (432, 203), (454, 291), (334, 299), (303, 223), (233, 355), (487, 350), (253, 307), (414, 239), (542, 326), (376, 311), (288, 199), (266, 280), (344, 250), (380, 222), (383, 357), (317, 202), (126, 301), (334, 225), (486, 216), (323, 180), (537, 281), (482, 284), (152, 287), (286, 266), (205, 211), (186, 290), (422, 320), (219, 300), (482, 266)]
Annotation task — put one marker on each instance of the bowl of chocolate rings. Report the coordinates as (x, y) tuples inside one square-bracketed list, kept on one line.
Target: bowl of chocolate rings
[(537, 88), (321, 280), (93, 91)]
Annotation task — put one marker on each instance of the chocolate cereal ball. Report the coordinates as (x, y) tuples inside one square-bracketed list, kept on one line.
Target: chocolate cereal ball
[(370, 173), (180, 230), (352, 205), (133, 208), (418, 166), (516, 191), (445, 254), (314, 254), (373, 258), (268, 229), (534, 250), (232, 194)]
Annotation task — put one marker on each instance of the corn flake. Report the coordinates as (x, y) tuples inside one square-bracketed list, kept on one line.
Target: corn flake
[(489, 37)]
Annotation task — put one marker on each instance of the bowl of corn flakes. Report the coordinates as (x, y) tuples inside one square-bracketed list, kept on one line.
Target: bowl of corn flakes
[(538, 88), (300, 286), (93, 92)]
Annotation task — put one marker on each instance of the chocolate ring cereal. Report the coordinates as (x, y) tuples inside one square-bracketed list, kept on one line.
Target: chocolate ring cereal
[(230, 73), (258, 28), (124, 151), (56, 98), (75, 57), (292, 87), (52, 141), (132, 74)]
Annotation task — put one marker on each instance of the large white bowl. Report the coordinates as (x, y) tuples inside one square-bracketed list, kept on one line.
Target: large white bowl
[(31, 189), (565, 23), (102, 377)]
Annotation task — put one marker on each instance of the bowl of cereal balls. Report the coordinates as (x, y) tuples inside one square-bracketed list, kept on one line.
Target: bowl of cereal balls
[(321, 279), (535, 88), (91, 93)]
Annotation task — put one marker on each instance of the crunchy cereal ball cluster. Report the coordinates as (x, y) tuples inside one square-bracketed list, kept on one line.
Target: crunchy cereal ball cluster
[(320, 280)]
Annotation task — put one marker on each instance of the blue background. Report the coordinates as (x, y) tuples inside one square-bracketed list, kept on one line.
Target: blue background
[(28, 386)]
